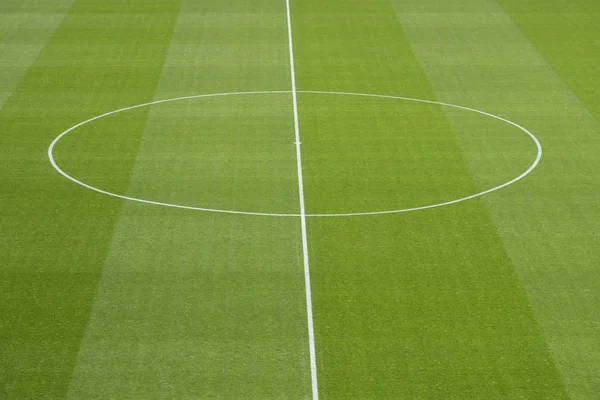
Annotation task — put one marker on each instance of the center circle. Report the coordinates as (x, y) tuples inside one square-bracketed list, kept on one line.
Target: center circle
[(367, 95)]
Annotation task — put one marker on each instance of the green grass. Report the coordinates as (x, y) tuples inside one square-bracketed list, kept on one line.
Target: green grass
[(493, 298)]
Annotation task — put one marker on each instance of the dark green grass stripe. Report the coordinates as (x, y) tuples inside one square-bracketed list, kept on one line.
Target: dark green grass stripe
[(549, 225), (566, 34), (54, 234), (420, 305), (564, 248), (24, 31)]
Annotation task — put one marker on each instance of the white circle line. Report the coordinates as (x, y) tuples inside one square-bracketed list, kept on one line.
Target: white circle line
[(447, 203), (158, 203), (75, 180)]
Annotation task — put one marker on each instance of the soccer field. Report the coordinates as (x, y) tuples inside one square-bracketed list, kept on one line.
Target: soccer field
[(300, 199)]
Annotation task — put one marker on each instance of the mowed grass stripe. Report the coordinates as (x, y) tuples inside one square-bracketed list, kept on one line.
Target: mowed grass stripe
[(549, 227), (565, 34), (572, 48), (24, 31), (55, 235), (209, 53), (419, 305), (194, 304)]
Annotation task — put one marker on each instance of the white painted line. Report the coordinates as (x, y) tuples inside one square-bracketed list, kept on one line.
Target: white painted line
[(309, 313), (365, 213)]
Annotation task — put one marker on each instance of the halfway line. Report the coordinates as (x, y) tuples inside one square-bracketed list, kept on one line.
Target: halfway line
[(311, 330)]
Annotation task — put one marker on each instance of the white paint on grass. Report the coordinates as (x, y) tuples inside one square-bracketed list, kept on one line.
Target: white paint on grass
[(375, 212), (309, 313), (303, 215)]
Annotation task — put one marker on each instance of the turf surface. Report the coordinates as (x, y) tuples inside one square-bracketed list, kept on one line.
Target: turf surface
[(493, 298)]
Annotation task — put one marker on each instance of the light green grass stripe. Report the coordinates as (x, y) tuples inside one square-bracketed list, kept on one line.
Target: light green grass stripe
[(227, 47), (24, 31), (475, 54), (193, 304), (566, 34), (54, 235)]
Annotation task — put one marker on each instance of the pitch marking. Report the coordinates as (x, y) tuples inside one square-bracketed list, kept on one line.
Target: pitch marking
[(309, 313), (447, 203)]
